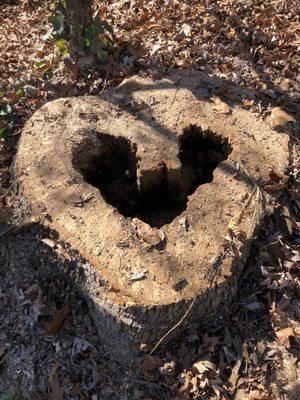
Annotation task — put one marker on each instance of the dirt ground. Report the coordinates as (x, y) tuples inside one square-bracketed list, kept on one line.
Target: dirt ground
[(49, 347)]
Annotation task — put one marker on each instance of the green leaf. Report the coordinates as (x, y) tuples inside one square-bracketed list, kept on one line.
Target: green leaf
[(8, 395), (93, 31), (2, 133), (57, 21), (110, 29), (5, 111), (95, 39), (20, 92), (40, 64), (1, 94), (62, 46), (17, 83)]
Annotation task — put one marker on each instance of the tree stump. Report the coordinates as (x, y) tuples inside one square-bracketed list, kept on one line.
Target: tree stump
[(155, 193)]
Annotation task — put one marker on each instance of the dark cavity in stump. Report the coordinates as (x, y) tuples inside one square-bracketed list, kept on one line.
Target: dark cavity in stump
[(110, 164)]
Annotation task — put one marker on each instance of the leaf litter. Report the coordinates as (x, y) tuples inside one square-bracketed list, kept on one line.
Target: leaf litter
[(49, 347)]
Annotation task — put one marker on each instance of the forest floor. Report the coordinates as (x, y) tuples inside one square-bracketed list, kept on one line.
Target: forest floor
[(49, 347)]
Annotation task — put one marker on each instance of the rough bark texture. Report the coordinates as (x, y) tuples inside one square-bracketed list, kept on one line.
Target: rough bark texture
[(78, 16), (122, 329)]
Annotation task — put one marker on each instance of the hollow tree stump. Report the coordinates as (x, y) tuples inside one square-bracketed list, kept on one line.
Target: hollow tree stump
[(155, 194)]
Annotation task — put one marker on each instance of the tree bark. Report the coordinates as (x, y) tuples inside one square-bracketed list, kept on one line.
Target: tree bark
[(78, 16)]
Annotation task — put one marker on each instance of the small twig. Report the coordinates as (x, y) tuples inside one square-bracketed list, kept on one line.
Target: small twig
[(6, 191), (267, 245), (249, 176), (292, 136), (245, 206), (6, 230), (256, 210), (174, 327)]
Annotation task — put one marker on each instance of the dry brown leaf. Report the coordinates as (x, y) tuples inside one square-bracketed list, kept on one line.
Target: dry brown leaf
[(53, 381), (143, 347), (5, 214), (12, 97), (34, 288), (279, 117), (76, 389), (57, 321), (248, 103), (220, 106), (3, 349), (38, 304), (63, 252), (150, 363), (49, 242), (283, 336), (235, 372), (186, 387), (187, 30)]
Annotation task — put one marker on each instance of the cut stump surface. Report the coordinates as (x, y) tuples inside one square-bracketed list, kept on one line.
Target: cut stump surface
[(158, 192)]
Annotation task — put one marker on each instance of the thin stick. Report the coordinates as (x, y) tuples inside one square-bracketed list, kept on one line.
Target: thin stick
[(174, 327), (255, 212), (245, 206), (6, 230)]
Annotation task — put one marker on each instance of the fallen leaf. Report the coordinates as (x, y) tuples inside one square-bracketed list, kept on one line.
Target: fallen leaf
[(12, 97), (199, 367), (143, 347), (3, 350), (49, 242), (57, 320), (255, 306), (203, 365), (283, 336), (33, 289), (76, 389), (220, 106), (248, 103), (151, 363), (234, 377), (80, 346), (279, 117), (53, 381), (38, 304), (138, 276), (187, 30)]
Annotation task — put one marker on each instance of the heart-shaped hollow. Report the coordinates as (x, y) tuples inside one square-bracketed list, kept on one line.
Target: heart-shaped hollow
[(156, 194)]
